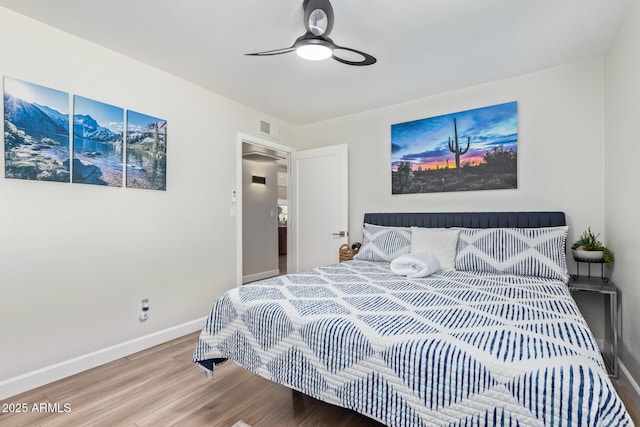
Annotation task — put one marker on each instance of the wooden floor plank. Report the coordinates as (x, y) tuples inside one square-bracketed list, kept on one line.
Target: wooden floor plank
[(122, 403), (178, 345), (162, 387), (25, 415), (83, 383), (253, 409), (202, 397), (628, 401)]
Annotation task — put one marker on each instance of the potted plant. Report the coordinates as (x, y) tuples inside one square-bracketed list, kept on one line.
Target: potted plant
[(589, 248)]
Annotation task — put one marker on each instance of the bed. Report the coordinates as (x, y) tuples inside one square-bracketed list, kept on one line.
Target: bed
[(493, 338)]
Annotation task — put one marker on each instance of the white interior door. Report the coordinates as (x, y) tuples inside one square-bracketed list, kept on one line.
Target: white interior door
[(319, 199)]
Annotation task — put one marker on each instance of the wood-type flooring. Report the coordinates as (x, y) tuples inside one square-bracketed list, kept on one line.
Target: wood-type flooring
[(162, 387)]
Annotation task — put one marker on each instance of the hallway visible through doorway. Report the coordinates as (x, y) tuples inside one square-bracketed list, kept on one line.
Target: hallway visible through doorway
[(264, 212), (282, 264)]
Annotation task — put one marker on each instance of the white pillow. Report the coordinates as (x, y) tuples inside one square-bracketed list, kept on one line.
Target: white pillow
[(442, 242)]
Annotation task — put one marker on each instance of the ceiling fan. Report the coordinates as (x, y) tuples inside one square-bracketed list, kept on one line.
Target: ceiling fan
[(315, 44)]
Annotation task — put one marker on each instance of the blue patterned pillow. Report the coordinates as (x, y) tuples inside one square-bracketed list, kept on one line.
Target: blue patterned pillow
[(537, 252), (381, 243)]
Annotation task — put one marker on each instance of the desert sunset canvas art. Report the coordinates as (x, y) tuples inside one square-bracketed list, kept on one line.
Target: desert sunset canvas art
[(464, 151)]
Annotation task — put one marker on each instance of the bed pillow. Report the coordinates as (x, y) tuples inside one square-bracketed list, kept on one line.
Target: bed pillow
[(442, 242), (381, 243), (537, 252)]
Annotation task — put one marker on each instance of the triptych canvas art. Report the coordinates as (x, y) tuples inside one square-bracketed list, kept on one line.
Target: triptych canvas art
[(39, 127)]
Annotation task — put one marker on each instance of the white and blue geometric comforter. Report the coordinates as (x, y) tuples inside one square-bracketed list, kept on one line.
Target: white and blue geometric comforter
[(452, 349)]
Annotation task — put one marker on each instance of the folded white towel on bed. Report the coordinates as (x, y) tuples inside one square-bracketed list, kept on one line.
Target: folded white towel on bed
[(418, 264)]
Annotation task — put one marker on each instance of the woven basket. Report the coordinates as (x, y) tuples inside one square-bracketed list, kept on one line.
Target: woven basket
[(345, 253)]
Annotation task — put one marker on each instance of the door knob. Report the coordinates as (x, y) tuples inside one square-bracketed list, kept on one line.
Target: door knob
[(340, 233)]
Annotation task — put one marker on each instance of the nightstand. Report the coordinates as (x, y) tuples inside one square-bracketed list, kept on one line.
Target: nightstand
[(597, 285)]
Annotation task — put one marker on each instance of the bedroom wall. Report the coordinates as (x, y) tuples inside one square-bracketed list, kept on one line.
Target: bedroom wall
[(76, 260), (622, 175), (560, 135)]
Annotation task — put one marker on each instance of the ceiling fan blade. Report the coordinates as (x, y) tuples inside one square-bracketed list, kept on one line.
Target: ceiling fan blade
[(366, 58), (272, 52)]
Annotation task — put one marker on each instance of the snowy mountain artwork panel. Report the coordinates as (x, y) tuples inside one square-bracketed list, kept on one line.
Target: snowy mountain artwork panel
[(36, 132), (98, 130), (49, 138), (146, 151)]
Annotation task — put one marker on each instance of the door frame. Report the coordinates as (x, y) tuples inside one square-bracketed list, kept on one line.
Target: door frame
[(254, 140)]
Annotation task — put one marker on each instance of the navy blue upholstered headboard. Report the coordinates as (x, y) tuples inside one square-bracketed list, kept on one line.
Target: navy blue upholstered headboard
[(468, 219)]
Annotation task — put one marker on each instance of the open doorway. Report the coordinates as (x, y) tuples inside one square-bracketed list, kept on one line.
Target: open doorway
[(264, 210), (283, 215), (320, 203)]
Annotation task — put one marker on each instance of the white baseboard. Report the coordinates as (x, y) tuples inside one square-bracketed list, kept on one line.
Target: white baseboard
[(258, 276), (627, 379), (30, 380)]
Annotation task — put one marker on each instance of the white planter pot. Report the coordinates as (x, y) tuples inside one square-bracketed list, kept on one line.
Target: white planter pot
[(588, 255)]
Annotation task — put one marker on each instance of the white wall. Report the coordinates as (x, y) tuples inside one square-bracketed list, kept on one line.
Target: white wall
[(560, 148), (76, 260), (260, 221), (622, 154), (560, 136)]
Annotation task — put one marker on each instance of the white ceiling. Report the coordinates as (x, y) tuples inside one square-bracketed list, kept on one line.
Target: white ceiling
[(423, 47)]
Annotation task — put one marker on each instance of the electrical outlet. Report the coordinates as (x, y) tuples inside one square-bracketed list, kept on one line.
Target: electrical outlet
[(144, 311)]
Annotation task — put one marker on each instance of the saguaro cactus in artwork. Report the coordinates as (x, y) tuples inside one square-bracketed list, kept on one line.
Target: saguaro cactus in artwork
[(454, 147), (405, 173)]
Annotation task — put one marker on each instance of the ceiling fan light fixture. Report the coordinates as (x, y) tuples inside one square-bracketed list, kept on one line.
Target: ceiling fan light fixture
[(315, 45), (317, 50)]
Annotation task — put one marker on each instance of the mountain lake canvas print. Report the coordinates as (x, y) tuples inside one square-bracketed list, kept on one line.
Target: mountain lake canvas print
[(98, 130), (465, 151), (36, 132), (146, 151)]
